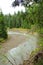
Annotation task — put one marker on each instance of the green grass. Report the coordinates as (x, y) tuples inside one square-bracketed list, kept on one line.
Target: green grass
[(2, 40), (40, 43)]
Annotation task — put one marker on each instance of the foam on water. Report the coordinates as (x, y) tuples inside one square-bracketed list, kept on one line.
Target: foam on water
[(11, 32)]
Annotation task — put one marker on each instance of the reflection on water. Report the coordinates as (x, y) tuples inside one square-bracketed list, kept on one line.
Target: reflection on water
[(22, 52)]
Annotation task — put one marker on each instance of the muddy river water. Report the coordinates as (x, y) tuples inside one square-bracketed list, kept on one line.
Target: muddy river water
[(16, 55)]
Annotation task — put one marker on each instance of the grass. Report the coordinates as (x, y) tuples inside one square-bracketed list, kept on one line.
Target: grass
[(2, 40), (40, 48), (40, 43), (18, 29)]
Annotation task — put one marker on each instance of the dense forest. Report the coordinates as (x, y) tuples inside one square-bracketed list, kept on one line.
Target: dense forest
[(32, 18)]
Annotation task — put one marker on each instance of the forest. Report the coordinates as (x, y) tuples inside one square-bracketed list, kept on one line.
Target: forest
[(32, 17)]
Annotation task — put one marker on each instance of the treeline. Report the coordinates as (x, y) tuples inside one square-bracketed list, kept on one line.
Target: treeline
[(3, 29), (19, 20), (31, 18)]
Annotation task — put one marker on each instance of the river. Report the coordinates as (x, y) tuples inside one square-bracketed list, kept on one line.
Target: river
[(17, 55)]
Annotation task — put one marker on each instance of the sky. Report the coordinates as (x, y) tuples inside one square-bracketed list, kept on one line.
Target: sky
[(6, 7)]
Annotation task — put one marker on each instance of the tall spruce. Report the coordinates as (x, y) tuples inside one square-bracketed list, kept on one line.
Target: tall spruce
[(3, 29)]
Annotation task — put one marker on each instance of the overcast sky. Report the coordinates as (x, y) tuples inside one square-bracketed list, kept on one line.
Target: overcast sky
[(7, 8)]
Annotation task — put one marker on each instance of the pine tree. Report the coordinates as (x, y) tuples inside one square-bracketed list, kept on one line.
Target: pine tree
[(3, 29)]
